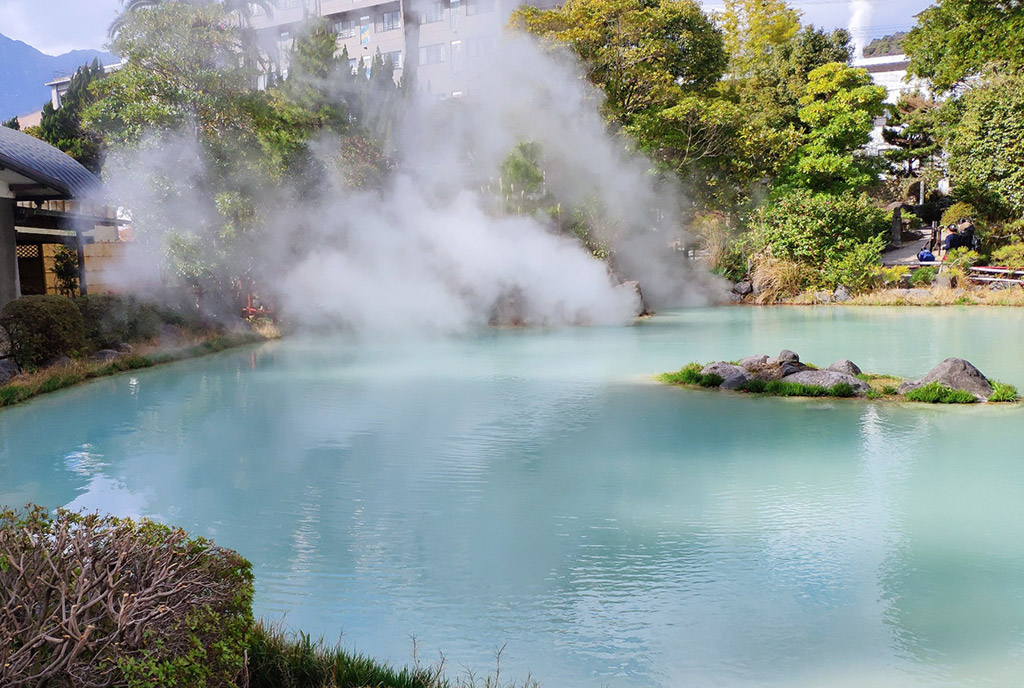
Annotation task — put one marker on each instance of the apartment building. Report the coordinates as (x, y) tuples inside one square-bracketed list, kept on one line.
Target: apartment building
[(453, 35)]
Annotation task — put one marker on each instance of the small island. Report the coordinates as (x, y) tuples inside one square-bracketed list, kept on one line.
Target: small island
[(954, 381)]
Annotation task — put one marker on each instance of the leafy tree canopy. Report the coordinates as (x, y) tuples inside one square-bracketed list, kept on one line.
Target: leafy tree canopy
[(955, 39), (62, 127), (754, 28)]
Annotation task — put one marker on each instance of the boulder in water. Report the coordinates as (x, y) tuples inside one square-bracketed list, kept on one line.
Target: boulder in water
[(754, 362), (845, 365), (841, 294), (828, 378), (743, 288), (955, 373), (722, 369), (735, 381)]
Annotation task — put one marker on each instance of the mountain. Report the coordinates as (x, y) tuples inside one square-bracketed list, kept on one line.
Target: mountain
[(886, 45), (24, 72)]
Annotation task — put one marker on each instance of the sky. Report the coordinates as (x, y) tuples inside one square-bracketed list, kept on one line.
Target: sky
[(57, 26)]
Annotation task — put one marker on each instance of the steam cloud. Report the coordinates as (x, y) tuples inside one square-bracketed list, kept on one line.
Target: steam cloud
[(430, 253), (860, 22)]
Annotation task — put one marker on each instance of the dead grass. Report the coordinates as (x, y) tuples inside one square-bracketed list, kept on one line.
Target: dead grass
[(941, 296), (776, 279)]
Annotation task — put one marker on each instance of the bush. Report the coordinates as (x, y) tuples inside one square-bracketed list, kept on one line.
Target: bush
[(959, 262), (936, 393), (65, 271), (113, 320), (96, 600), (958, 212), (923, 277), (837, 237), (1010, 256), (42, 328)]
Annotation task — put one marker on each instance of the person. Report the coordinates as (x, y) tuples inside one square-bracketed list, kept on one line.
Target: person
[(968, 239), (951, 242), (925, 256)]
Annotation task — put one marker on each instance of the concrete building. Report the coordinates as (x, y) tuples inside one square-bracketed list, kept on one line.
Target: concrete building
[(448, 39)]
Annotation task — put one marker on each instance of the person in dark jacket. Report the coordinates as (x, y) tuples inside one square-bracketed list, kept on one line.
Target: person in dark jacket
[(951, 242)]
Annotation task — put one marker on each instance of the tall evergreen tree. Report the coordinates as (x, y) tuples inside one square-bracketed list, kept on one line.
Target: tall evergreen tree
[(62, 127)]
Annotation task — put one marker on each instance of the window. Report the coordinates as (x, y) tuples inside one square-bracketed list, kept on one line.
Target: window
[(291, 4), (434, 13), (477, 47), (432, 54), (455, 14), (395, 57), (345, 28), (456, 56), (353, 65), (479, 6), (389, 21)]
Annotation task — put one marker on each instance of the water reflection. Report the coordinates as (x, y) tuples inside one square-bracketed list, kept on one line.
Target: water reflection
[(532, 488)]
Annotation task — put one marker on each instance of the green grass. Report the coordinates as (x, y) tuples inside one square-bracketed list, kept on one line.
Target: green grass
[(690, 375), (780, 388), (875, 394), (935, 393), (282, 660), (1002, 392)]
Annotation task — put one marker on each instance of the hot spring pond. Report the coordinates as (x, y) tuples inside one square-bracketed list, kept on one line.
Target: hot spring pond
[(538, 489)]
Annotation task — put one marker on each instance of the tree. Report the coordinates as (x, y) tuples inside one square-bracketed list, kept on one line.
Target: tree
[(986, 151), (957, 39), (641, 53), (11, 123), (62, 127), (839, 110), (754, 28), (911, 132), (242, 9), (317, 77)]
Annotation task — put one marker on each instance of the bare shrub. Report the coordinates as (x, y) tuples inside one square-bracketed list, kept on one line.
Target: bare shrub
[(93, 601)]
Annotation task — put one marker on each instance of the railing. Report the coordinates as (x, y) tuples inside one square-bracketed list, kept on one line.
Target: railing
[(997, 275)]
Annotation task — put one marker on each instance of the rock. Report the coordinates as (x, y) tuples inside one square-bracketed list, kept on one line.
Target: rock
[(828, 378), (753, 362), (735, 298), (918, 293), (943, 280), (841, 294), (735, 381), (823, 296), (104, 355), (58, 361), (743, 288), (722, 369), (124, 348), (792, 368), (845, 365), (908, 386), (633, 287), (787, 355), (955, 373), (8, 370)]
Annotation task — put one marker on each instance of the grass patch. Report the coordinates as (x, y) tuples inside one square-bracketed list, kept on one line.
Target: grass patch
[(875, 394), (690, 375), (755, 386), (61, 377), (781, 388), (1002, 392), (935, 393), (282, 660)]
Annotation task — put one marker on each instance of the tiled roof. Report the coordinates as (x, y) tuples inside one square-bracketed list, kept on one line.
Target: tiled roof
[(44, 164)]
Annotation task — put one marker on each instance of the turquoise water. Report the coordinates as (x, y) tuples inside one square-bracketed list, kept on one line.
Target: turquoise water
[(537, 489)]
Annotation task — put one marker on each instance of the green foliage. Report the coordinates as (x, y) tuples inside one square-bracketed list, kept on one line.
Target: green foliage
[(755, 386), (893, 276), (112, 320), (912, 130), (63, 128), (65, 271), (986, 152), (838, 236), (165, 609), (874, 394), (923, 277), (957, 213), (11, 123), (937, 393), (838, 109), (1011, 255), (781, 388), (957, 39), (959, 262), (1002, 392), (754, 28), (690, 375), (641, 54), (42, 328)]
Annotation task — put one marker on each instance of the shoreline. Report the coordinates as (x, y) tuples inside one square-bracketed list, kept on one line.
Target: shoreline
[(26, 387)]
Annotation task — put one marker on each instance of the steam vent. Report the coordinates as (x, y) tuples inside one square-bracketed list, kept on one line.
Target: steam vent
[(33, 172)]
